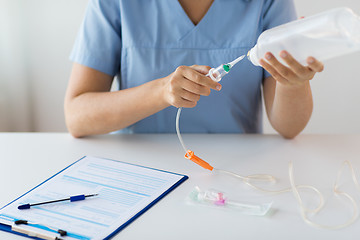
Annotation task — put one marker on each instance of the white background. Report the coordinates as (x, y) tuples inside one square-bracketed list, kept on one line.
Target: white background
[(36, 38)]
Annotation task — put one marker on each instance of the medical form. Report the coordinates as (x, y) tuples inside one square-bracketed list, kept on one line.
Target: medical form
[(124, 191)]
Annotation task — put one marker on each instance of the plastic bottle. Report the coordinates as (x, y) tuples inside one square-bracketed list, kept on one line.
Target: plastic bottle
[(326, 35)]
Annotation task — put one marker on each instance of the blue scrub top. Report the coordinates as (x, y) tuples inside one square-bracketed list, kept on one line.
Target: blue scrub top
[(142, 40)]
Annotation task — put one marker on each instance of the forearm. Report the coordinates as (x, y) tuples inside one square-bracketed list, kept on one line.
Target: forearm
[(287, 93), (90, 107), (103, 112), (291, 109)]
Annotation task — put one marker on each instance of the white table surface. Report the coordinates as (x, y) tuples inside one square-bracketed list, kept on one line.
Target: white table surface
[(29, 158)]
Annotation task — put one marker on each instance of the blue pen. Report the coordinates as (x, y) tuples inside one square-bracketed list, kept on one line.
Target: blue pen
[(72, 199)]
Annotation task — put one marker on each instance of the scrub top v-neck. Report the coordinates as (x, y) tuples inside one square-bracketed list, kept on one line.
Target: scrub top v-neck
[(143, 40)]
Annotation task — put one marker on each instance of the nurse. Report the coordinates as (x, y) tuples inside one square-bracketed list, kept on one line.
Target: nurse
[(160, 51)]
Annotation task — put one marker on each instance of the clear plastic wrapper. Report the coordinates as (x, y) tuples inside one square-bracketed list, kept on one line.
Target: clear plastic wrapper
[(217, 198)]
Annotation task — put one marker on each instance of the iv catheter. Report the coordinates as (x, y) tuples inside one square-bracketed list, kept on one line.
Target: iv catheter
[(212, 197)]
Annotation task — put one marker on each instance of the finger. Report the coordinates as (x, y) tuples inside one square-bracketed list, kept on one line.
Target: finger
[(314, 64), (192, 97), (195, 88), (300, 70), (277, 76), (181, 101), (201, 68), (187, 104), (198, 78), (284, 71)]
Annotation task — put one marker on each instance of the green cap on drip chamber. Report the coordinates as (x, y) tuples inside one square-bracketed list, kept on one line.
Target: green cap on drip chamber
[(226, 67)]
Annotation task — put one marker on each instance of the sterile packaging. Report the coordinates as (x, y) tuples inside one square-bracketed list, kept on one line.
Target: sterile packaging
[(326, 35), (218, 199)]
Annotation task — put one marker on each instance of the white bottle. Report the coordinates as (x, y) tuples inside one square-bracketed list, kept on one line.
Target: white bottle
[(326, 35)]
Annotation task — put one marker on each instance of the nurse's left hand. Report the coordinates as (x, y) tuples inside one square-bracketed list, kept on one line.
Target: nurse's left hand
[(293, 75)]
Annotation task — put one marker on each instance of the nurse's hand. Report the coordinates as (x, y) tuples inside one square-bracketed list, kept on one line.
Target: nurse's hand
[(294, 75), (185, 85)]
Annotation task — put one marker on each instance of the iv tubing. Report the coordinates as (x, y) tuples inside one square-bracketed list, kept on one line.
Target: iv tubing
[(178, 131), (294, 188), (304, 210)]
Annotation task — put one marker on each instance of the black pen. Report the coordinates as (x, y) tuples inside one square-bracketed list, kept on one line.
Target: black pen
[(72, 199)]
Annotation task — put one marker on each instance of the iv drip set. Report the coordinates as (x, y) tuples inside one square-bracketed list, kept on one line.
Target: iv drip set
[(336, 32)]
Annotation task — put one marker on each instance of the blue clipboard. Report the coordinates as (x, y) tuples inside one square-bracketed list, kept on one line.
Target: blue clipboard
[(7, 228)]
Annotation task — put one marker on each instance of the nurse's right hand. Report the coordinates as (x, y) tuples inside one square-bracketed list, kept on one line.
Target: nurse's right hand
[(185, 85)]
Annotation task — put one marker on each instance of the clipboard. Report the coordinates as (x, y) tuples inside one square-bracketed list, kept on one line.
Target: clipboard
[(126, 191)]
